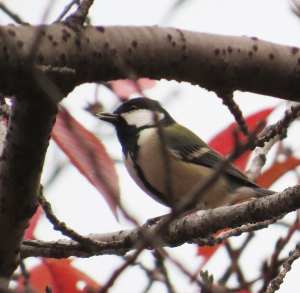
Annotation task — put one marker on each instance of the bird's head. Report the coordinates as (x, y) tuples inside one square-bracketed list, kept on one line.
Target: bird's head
[(138, 113)]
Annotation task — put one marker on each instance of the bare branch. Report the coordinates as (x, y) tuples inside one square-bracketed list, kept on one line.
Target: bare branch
[(287, 265), (280, 127), (12, 15), (212, 240), (179, 231), (67, 9), (78, 18), (235, 111), (86, 242), (102, 55)]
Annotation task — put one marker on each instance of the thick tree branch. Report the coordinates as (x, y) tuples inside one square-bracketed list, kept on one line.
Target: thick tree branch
[(30, 124), (218, 63), (179, 231)]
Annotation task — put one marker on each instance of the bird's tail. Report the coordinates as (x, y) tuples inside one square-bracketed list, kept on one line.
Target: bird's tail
[(261, 192)]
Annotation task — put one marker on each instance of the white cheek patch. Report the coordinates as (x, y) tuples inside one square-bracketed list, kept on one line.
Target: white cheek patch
[(142, 117)]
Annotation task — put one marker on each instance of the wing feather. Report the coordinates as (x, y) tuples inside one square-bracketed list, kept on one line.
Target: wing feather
[(190, 148)]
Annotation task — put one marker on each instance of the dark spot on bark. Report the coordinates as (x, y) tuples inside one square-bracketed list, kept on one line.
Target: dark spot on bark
[(224, 51), (54, 43), (295, 50), (229, 49), (113, 51), (173, 44), (217, 51), (50, 37), (77, 42), (65, 35), (134, 44), (129, 50), (169, 37), (43, 32), (106, 45), (87, 40), (11, 32), (20, 43), (250, 53), (255, 48), (298, 60), (239, 50), (40, 57), (101, 29), (271, 56)]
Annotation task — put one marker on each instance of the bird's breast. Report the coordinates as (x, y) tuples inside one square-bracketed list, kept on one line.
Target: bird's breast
[(157, 174)]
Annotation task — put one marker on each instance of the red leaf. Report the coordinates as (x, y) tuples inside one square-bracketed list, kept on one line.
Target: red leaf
[(88, 155), (224, 142), (29, 231), (125, 87), (61, 276), (277, 170)]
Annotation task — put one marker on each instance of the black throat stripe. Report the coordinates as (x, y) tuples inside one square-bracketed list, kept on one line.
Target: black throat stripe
[(164, 199)]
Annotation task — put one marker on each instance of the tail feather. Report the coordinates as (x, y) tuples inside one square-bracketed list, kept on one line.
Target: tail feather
[(245, 192), (261, 192)]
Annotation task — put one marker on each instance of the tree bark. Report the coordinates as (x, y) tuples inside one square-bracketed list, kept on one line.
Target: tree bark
[(217, 63)]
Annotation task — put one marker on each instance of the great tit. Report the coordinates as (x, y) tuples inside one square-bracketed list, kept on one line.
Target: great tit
[(138, 122)]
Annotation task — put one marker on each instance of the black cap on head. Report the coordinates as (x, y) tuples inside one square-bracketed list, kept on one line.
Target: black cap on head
[(139, 103)]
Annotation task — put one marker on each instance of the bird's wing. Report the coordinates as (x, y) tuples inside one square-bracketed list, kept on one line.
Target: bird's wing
[(190, 148)]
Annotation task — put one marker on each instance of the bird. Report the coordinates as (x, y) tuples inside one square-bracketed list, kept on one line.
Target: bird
[(167, 160)]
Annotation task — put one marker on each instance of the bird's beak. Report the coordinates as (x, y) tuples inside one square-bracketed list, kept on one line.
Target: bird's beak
[(108, 117)]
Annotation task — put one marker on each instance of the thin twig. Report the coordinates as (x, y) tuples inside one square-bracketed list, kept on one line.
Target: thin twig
[(26, 276), (67, 9), (287, 265), (235, 111), (280, 127), (233, 232), (130, 260), (78, 18), (61, 226), (271, 270), (12, 15), (160, 266)]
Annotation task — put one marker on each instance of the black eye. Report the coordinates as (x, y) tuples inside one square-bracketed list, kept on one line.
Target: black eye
[(133, 107)]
